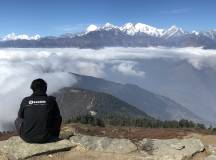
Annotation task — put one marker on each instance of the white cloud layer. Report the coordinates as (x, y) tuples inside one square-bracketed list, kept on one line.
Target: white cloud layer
[(18, 67), (128, 69)]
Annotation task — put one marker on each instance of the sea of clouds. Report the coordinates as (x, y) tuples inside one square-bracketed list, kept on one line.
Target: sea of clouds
[(18, 67)]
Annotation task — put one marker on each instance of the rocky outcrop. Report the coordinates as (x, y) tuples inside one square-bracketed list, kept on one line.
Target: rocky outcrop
[(104, 144), (150, 149), (170, 149), (18, 149)]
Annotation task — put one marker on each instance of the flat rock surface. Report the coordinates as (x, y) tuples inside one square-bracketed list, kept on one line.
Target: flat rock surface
[(3, 156), (79, 153), (93, 155), (211, 157), (104, 144), (103, 148), (211, 149), (155, 149), (19, 149), (170, 149)]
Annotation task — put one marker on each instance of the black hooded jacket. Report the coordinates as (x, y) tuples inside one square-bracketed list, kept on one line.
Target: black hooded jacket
[(41, 118)]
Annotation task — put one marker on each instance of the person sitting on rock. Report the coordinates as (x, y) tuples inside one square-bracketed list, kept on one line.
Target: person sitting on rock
[(39, 118)]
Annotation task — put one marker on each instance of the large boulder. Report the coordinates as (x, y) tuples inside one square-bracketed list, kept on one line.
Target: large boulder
[(18, 149), (170, 149), (152, 149), (104, 144)]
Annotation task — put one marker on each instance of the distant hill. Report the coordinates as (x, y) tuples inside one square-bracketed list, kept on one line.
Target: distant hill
[(74, 102), (155, 105)]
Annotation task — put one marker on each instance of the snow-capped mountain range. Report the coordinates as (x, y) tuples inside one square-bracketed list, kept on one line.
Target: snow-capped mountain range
[(109, 35), (13, 36), (132, 29)]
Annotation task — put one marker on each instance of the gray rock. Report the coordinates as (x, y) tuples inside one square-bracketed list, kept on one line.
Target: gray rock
[(67, 132), (170, 149), (3, 156), (211, 157), (152, 149), (104, 144), (211, 149), (18, 149)]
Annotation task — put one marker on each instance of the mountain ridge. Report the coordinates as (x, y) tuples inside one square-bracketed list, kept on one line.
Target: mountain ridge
[(109, 35), (157, 106), (74, 102)]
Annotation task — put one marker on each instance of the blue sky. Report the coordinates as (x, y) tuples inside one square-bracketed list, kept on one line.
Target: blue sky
[(55, 17)]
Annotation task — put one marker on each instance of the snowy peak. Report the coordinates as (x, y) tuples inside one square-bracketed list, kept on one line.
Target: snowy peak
[(128, 28), (211, 34), (109, 26), (173, 31), (91, 28), (13, 36), (140, 27), (133, 29), (195, 33)]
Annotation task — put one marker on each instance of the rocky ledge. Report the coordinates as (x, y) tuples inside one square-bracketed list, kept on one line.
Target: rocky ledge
[(15, 148), (152, 149)]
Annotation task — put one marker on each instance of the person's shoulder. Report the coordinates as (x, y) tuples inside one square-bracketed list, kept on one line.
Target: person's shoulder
[(25, 99), (52, 98)]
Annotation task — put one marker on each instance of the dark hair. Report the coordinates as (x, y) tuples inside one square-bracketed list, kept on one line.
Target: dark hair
[(39, 85)]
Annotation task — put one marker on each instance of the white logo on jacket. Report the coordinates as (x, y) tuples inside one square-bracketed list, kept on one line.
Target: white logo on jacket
[(37, 102)]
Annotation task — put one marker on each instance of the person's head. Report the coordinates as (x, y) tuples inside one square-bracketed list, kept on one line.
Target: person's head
[(39, 85)]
